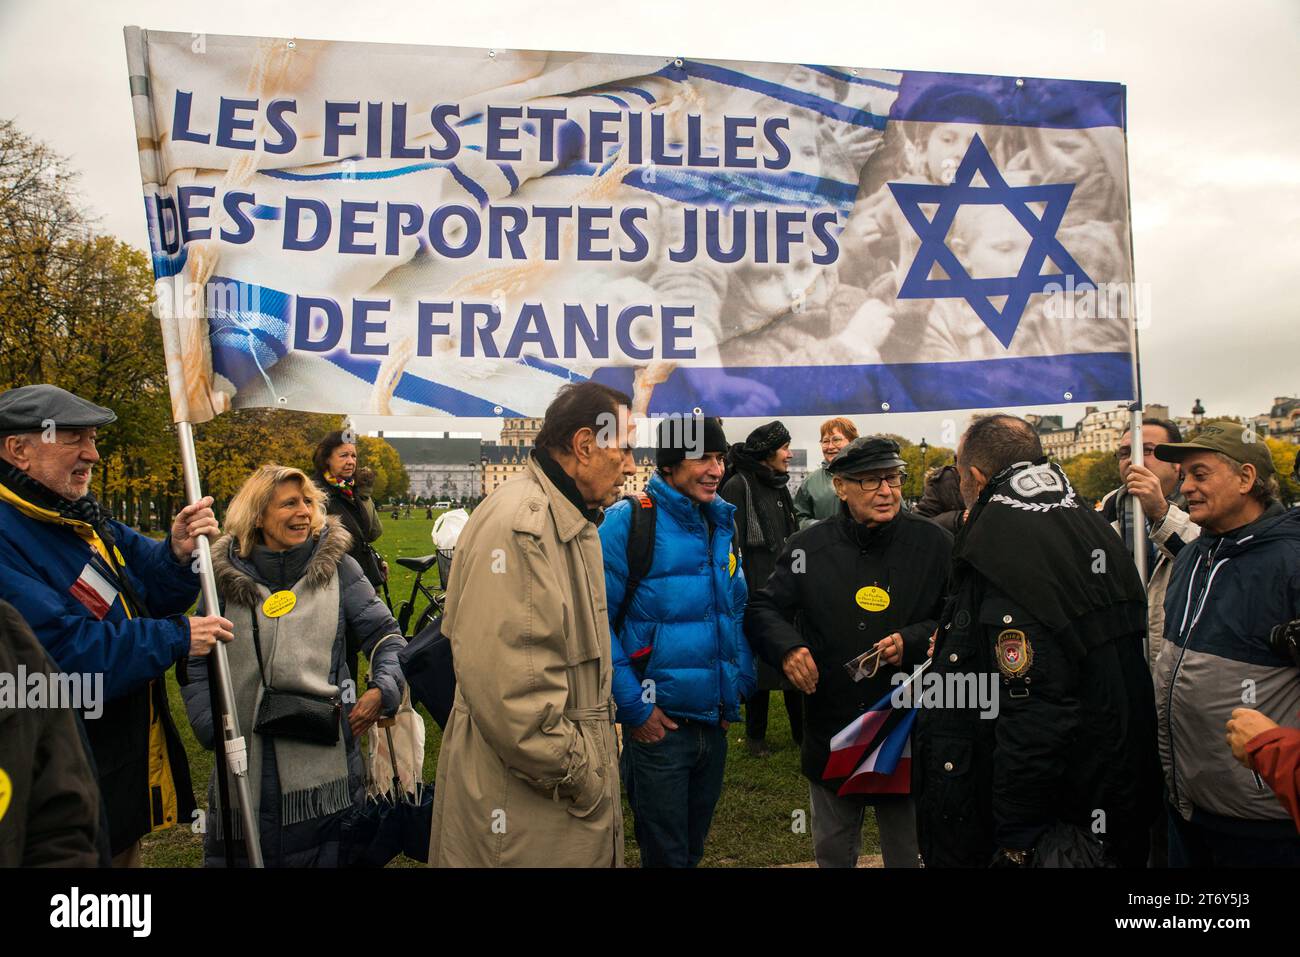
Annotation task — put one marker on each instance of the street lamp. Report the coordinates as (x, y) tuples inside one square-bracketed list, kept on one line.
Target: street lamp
[(1198, 415), (924, 449)]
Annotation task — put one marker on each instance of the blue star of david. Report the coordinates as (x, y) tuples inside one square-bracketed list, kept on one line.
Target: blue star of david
[(978, 292)]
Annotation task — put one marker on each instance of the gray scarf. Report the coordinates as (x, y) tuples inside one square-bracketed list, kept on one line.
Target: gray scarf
[(298, 652)]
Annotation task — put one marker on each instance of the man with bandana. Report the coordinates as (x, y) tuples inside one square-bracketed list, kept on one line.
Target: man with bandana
[(1044, 599), (103, 600)]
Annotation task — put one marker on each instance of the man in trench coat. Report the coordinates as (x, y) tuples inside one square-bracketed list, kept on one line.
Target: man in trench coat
[(528, 772)]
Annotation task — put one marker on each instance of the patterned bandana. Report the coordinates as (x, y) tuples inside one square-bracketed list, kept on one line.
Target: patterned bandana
[(343, 485)]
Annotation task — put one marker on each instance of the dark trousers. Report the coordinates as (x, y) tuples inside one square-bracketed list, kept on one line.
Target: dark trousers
[(673, 787), (1194, 844), (756, 715)]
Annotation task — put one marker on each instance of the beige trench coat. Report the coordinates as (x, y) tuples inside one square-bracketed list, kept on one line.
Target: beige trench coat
[(528, 772)]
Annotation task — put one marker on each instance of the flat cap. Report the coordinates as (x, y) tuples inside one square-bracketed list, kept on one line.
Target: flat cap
[(865, 454), (29, 408)]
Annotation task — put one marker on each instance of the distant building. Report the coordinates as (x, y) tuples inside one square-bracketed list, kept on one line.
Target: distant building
[(501, 463), (1284, 419), (1098, 431), (798, 469), (441, 468), (519, 433)]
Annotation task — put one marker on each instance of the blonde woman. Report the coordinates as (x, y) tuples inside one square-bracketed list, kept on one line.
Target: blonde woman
[(295, 597)]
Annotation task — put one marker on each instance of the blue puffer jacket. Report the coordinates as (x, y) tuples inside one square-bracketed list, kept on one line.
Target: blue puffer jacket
[(689, 608), (41, 557)]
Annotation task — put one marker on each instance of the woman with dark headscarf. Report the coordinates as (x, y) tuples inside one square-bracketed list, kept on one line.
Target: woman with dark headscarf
[(764, 520)]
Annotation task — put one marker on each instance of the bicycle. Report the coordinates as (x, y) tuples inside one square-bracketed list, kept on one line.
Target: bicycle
[(435, 600)]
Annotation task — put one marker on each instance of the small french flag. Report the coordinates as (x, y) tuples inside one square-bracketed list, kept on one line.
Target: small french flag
[(883, 735), (94, 591), (888, 769)]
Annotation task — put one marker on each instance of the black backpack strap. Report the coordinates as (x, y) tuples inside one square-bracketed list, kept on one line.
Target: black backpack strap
[(640, 550)]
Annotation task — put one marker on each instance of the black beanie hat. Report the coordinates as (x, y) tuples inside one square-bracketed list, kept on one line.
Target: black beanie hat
[(766, 439), (679, 434)]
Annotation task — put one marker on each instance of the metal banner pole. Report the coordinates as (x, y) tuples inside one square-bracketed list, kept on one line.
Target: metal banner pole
[(235, 748), (1137, 519)]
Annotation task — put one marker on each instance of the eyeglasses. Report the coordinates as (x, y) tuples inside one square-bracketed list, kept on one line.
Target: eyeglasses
[(870, 483), (1126, 452), (864, 665)]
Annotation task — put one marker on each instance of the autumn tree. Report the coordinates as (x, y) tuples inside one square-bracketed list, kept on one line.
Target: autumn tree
[(1092, 474)]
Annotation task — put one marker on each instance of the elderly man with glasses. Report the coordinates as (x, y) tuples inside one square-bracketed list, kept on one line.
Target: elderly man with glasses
[(869, 581), (105, 601)]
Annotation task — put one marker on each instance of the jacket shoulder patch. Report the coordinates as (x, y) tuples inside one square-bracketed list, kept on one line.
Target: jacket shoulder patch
[(531, 516)]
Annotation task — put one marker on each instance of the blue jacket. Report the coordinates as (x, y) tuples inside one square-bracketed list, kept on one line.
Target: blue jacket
[(41, 557), (140, 762), (689, 608)]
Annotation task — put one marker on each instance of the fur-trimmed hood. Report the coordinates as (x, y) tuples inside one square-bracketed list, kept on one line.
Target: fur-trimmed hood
[(237, 580)]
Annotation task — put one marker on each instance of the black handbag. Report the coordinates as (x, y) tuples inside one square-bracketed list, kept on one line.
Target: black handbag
[(290, 714), (430, 674)]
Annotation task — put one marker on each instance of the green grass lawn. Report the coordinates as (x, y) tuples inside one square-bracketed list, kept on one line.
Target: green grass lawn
[(756, 824)]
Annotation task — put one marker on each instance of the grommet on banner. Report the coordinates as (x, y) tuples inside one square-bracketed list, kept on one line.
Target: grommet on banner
[(677, 62), (292, 44), (1020, 81), (282, 400), (697, 411), (492, 53), (496, 410), (884, 407), (1069, 396)]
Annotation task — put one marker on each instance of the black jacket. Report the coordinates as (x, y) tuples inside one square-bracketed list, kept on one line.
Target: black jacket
[(775, 512), (810, 601), (360, 518), (1046, 604), (941, 501), (53, 815)]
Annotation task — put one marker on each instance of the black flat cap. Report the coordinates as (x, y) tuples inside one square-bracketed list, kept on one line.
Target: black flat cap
[(865, 454), (29, 408)]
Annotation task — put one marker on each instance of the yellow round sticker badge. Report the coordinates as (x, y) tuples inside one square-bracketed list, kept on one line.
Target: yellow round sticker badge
[(873, 598), (6, 792), (281, 603)]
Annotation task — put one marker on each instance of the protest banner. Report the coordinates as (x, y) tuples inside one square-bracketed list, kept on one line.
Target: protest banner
[(390, 229)]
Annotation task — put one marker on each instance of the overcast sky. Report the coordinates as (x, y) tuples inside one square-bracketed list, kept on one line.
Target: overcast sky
[(1214, 131)]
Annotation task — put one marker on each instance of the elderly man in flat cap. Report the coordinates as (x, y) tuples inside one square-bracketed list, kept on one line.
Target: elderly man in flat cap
[(869, 581), (105, 601)]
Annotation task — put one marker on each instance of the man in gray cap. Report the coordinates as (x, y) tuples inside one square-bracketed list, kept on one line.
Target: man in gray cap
[(1228, 590), (106, 602), (869, 581)]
